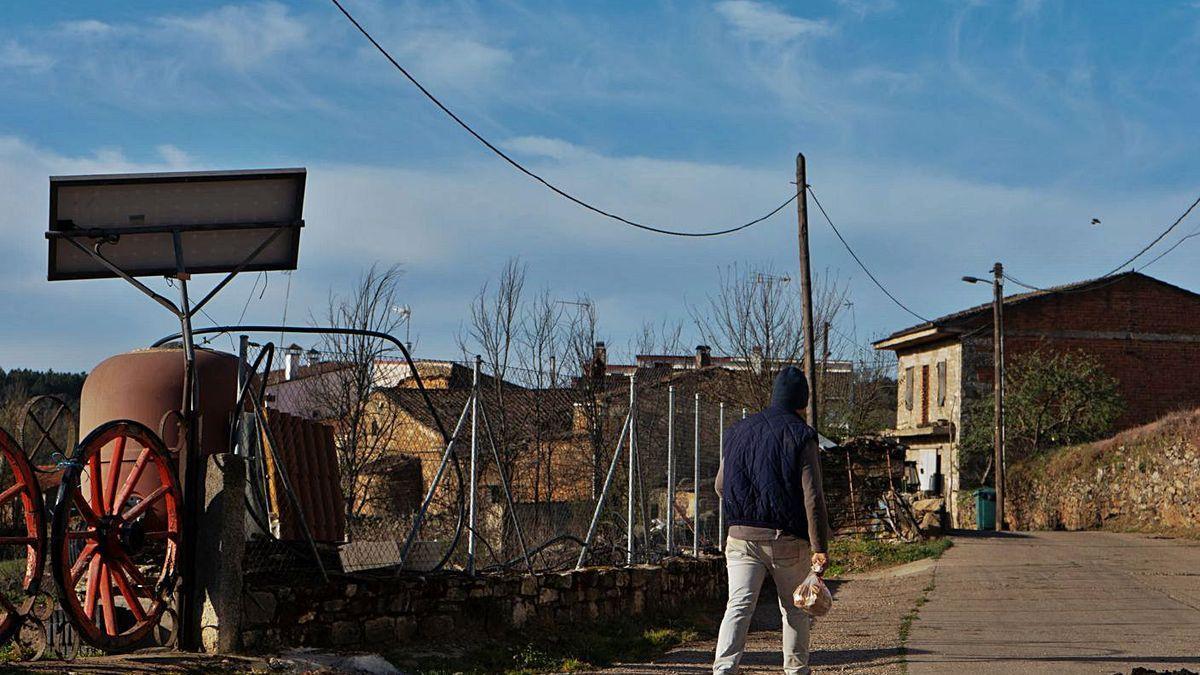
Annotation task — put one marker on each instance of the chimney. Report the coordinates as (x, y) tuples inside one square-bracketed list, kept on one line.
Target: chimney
[(291, 361), (756, 359), (703, 356), (599, 361)]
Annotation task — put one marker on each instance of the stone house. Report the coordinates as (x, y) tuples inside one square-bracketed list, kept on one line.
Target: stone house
[(1144, 331)]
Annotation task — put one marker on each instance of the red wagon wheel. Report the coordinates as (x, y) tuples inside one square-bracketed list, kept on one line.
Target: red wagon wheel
[(116, 534), (22, 537)]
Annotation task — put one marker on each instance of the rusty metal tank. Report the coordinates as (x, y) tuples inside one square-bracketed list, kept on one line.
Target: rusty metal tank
[(144, 385)]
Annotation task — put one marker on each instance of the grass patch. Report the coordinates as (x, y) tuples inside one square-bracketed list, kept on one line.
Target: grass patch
[(853, 556), (567, 651)]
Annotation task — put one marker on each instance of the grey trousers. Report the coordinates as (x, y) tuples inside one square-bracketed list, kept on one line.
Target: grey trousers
[(748, 562)]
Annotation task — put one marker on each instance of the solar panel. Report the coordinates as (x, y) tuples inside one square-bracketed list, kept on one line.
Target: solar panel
[(219, 217)]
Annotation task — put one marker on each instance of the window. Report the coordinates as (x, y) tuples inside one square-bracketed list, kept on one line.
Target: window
[(908, 388), (941, 383), (924, 394)]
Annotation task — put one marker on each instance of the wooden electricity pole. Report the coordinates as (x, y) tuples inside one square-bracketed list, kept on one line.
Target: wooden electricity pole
[(998, 387), (810, 361)]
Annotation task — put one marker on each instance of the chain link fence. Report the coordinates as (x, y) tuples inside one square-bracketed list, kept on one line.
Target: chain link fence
[(371, 468)]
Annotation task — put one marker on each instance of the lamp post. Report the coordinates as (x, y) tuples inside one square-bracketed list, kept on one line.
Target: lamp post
[(997, 384)]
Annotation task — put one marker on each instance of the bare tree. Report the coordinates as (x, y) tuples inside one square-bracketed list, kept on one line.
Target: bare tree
[(540, 349), (496, 319), (347, 376), (755, 318), (664, 337)]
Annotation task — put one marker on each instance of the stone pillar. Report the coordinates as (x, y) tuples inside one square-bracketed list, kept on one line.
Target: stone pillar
[(221, 543)]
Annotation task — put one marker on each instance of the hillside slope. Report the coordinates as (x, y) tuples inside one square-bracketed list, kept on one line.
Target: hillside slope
[(1147, 478)]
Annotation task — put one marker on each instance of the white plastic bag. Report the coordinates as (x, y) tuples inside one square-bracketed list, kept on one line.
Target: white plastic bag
[(812, 595)]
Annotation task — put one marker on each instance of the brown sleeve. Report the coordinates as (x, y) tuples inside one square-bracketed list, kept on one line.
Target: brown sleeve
[(720, 477), (814, 497)]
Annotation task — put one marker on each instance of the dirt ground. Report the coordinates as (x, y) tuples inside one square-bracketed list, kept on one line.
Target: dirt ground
[(860, 635)]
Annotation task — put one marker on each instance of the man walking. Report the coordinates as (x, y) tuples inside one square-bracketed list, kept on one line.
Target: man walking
[(770, 481)]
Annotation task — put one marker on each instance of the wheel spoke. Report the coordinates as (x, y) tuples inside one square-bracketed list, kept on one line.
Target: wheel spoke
[(95, 480), (161, 534), (81, 534), (17, 541), (10, 493), (85, 556), (131, 480), (146, 503), (106, 602), (135, 605), (85, 510), (134, 573), (114, 473), (93, 586)]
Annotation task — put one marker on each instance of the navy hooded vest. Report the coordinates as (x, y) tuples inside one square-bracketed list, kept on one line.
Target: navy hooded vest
[(761, 472)]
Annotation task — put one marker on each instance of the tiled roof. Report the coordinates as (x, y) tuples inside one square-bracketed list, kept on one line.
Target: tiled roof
[(957, 319)]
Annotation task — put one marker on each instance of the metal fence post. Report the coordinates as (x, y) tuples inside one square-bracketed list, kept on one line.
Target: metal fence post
[(608, 479), (472, 518), (632, 477), (670, 470), (696, 482), (720, 498)]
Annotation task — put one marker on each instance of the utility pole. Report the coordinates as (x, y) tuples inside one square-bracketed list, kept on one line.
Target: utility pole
[(810, 361), (998, 387)]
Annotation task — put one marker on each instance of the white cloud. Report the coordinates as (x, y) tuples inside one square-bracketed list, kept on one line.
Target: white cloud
[(14, 55), (452, 59), (763, 23), (173, 156), (865, 7), (87, 28), (244, 37), (541, 146)]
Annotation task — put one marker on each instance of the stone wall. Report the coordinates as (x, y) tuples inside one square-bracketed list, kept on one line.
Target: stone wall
[(379, 614), (1146, 478)]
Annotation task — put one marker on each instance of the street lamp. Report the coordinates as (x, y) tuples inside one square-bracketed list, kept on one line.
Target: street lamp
[(997, 384)]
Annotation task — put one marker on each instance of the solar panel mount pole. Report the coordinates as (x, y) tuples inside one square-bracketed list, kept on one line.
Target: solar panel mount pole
[(189, 635)]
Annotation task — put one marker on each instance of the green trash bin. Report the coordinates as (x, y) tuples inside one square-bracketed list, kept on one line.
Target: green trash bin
[(985, 508)]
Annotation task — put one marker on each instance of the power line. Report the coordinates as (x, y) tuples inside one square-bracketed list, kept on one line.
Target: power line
[(854, 255), (520, 167), (1171, 248), (1156, 239)]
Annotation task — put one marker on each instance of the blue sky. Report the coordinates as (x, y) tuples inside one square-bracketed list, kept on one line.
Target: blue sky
[(940, 135)]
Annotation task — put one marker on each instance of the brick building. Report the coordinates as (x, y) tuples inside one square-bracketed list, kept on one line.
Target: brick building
[(1144, 331)]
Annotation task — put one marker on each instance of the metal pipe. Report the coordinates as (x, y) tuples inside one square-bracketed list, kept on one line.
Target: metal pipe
[(721, 498), (632, 459), (512, 507), (437, 479), (671, 470), (612, 470), (696, 482), (472, 518)]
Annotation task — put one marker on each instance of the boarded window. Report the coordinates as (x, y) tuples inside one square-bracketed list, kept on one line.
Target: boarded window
[(924, 394), (941, 383), (908, 388)]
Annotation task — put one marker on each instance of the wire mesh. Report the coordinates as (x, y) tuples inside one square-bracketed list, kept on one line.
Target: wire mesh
[(625, 469)]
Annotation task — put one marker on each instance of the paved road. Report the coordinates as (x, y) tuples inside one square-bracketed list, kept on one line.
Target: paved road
[(1061, 602)]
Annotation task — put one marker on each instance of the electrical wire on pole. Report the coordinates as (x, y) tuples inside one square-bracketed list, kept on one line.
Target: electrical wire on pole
[(528, 172), (858, 260)]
